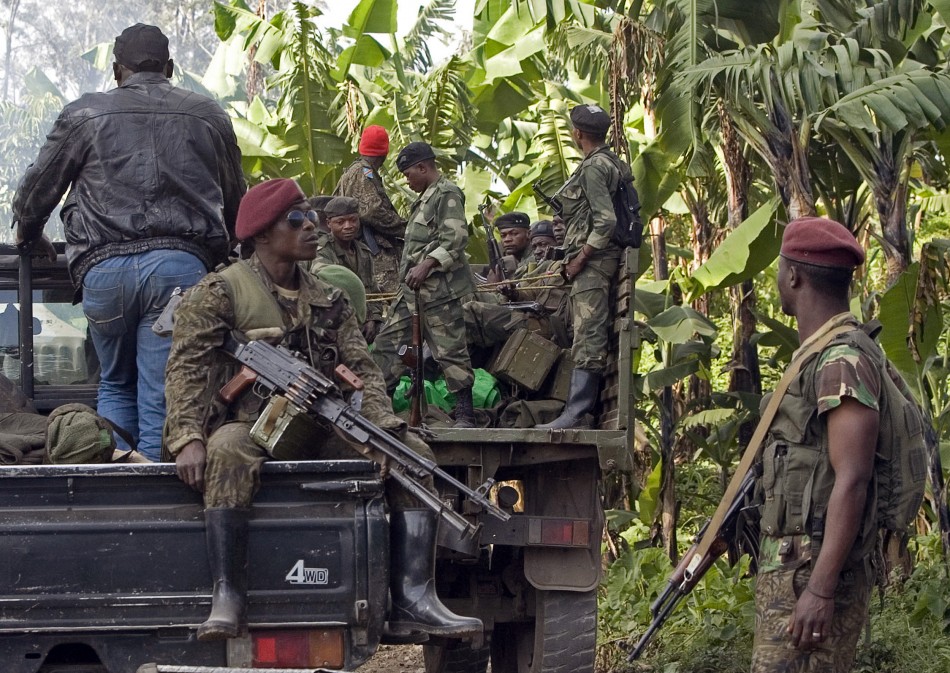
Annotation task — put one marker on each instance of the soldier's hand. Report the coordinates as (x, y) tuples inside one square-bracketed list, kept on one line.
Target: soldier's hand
[(190, 464), (810, 623), (418, 274), (574, 267), (370, 330)]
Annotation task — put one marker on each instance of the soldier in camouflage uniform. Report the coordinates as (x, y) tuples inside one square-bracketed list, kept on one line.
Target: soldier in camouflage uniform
[(434, 263), (818, 517), (514, 228), (269, 296), (343, 247), (488, 323), (591, 257), (383, 228)]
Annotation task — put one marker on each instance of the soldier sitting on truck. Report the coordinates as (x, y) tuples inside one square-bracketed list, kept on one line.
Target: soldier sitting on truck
[(538, 302), (271, 295), (343, 246)]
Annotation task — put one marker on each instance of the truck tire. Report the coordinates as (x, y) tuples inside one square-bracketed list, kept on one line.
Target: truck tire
[(459, 657), (561, 640)]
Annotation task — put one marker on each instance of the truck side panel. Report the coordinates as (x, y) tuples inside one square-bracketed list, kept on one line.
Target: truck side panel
[(97, 553)]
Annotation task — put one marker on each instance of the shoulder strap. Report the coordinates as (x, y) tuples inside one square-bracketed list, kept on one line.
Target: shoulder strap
[(818, 343)]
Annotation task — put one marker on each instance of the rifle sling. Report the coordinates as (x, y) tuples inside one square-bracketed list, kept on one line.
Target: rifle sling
[(812, 346)]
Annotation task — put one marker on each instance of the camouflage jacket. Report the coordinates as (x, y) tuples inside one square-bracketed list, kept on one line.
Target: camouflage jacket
[(357, 259), (362, 182), (197, 368), (437, 229), (547, 286), (797, 476), (587, 197)]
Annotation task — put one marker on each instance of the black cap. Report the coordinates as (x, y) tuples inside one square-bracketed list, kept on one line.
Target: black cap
[(141, 45), (542, 228), (590, 119), (413, 153), (341, 205), (319, 202), (513, 220)]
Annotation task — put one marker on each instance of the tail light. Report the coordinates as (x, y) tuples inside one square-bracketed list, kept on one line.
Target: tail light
[(298, 648)]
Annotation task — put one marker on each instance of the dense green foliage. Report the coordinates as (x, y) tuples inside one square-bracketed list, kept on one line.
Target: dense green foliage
[(736, 115)]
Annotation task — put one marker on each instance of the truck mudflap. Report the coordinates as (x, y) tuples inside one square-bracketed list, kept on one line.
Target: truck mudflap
[(569, 490)]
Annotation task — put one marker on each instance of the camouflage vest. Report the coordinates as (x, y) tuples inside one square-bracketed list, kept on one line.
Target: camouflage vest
[(797, 476), (258, 316)]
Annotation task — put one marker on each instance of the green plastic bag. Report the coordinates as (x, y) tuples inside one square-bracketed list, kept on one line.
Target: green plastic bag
[(435, 395), (485, 393)]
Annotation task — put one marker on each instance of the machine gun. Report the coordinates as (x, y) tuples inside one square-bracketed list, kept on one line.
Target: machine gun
[(278, 371), (684, 577), (495, 253), (412, 357)]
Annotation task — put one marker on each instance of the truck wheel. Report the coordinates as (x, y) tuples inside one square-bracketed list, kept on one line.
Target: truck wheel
[(561, 640), (459, 657)]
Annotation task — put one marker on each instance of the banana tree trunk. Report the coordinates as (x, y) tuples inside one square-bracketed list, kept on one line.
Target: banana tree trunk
[(892, 209)]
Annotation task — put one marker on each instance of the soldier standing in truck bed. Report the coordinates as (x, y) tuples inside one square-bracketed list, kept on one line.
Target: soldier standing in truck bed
[(591, 257), (383, 227), (435, 265), (343, 246)]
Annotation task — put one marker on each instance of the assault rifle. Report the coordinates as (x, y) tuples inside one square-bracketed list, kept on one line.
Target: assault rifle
[(684, 578), (553, 202), (495, 253), (278, 371), (412, 357)]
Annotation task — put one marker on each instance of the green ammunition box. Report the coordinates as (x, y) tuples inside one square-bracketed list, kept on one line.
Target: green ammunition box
[(525, 360), (286, 432), (559, 381)]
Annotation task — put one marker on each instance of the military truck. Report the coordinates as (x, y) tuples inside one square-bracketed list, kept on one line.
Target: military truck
[(106, 568)]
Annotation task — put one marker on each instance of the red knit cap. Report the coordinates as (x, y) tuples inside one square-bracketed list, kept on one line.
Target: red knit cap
[(374, 142), (264, 203), (822, 242)]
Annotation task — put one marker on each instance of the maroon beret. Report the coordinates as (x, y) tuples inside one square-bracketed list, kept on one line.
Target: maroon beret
[(264, 203), (822, 242)]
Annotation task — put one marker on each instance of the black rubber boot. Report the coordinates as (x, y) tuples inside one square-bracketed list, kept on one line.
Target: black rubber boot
[(580, 399), (464, 409), (415, 604), (227, 554)]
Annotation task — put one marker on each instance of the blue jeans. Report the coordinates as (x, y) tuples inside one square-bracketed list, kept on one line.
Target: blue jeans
[(122, 298)]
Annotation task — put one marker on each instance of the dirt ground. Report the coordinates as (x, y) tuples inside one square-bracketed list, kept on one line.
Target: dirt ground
[(395, 659)]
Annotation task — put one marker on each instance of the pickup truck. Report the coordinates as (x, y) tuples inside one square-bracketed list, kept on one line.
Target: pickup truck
[(106, 567)]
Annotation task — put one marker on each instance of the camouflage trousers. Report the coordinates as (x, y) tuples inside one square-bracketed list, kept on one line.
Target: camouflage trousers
[(777, 592), (590, 307), (233, 468), (488, 324), (443, 330)]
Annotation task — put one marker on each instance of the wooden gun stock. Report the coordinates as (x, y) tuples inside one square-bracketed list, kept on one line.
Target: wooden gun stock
[(240, 382)]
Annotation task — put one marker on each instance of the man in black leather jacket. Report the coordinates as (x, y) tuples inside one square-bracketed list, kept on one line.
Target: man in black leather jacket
[(154, 180)]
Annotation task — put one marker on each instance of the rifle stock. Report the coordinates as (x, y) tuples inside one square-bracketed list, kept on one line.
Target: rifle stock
[(279, 371), (690, 570)]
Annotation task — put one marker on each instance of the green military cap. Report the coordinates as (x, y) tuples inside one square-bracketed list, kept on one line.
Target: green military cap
[(542, 228), (344, 279), (341, 205), (590, 118), (413, 153), (513, 220)]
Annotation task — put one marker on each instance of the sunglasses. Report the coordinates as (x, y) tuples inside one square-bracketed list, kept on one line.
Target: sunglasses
[(296, 218)]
